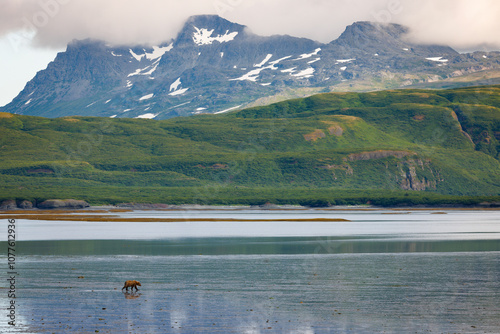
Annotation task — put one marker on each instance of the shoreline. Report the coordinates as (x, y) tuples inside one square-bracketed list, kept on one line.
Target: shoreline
[(111, 213), (272, 207)]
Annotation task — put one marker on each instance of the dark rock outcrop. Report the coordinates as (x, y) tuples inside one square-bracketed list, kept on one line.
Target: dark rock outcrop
[(63, 204), (26, 205), (8, 205)]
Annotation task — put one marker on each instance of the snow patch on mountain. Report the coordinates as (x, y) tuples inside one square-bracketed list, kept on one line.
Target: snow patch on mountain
[(307, 73), (158, 52), (180, 105), (198, 111), (313, 61), (28, 102), (175, 85), (223, 111), (179, 92), (146, 97), (345, 60), (136, 56), (279, 60), (115, 55), (262, 63), (290, 70), (138, 71), (175, 88), (204, 36), (308, 55), (254, 74), (250, 76), (152, 68), (147, 116), (437, 59)]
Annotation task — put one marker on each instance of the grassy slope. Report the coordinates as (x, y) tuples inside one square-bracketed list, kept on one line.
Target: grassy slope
[(296, 151)]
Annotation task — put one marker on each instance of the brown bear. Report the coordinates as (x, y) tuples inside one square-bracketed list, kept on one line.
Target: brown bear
[(131, 285)]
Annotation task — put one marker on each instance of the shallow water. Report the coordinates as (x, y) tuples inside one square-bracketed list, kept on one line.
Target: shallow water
[(417, 224), (415, 272)]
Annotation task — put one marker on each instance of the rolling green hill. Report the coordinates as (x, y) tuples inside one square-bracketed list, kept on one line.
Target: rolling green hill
[(389, 147)]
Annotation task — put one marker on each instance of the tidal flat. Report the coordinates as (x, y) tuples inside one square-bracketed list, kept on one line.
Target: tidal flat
[(307, 271)]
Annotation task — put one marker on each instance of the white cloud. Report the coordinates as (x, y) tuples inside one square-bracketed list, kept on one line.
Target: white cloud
[(460, 23), (51, 24)]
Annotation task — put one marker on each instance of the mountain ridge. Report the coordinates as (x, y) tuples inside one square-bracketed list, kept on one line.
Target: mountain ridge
[(214, 65)]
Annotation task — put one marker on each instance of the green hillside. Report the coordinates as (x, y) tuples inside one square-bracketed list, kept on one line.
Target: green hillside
[(401, 146)]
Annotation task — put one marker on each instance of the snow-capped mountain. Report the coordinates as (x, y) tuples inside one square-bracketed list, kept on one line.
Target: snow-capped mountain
[(215, 66)]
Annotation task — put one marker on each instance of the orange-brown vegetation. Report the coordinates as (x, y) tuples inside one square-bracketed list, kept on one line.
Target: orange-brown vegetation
[(112, 218), (315, 135)]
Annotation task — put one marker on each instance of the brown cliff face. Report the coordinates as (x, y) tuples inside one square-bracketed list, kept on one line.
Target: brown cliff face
[(405, 170), (410, 179)]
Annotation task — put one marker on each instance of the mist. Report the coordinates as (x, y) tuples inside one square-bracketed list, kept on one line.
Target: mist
[(462, 24)]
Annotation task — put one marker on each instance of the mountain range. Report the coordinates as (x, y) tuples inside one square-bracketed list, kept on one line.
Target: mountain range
[(215, 66)]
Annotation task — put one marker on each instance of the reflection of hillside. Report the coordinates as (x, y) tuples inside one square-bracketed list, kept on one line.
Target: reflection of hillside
[(270, 245)]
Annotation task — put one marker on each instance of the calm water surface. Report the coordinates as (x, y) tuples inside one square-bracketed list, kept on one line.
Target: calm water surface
[(379, 272)]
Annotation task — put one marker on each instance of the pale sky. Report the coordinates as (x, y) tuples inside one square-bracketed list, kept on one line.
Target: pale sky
[(33, 31)]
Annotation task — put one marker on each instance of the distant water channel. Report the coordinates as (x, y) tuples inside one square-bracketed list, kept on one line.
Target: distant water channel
[(377, 272)]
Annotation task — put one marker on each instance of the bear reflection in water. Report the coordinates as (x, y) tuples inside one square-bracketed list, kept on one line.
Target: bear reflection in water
[(131, 295)]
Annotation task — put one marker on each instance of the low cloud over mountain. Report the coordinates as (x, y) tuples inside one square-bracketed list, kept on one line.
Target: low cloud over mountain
[(462, 24)]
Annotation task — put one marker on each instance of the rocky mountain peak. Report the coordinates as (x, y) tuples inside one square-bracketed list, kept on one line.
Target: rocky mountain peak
[(383, 39), (208, 30), (373, 37), (365, 30)]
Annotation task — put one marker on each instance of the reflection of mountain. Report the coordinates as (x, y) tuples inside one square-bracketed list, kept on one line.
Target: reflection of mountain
[(215, 65)]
